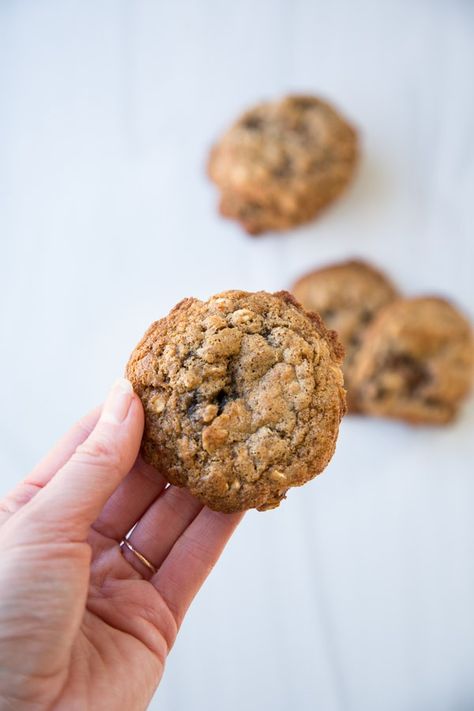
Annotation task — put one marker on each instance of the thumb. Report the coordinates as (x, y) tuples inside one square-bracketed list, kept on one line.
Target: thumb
[(72, 500)]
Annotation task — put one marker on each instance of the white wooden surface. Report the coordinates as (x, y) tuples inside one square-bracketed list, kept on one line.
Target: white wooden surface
[(358, 594)]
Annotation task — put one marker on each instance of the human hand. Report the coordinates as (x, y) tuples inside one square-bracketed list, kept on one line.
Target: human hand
[(83, 623)]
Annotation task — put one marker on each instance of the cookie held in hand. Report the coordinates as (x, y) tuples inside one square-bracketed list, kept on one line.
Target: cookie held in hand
[(282, 162), (243, 395), (416, 362), (347, 296)]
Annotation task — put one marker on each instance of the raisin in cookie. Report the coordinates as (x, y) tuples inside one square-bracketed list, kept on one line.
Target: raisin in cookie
[(243, 395), (282, 162), (416, 362), (347, 296)]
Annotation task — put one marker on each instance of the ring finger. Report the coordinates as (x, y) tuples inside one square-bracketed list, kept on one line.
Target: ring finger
[(159, 528)]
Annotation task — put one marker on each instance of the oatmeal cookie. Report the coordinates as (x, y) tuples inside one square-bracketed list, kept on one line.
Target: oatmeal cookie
[(243, 396), (347, 296), (282, 162), (416, 362)]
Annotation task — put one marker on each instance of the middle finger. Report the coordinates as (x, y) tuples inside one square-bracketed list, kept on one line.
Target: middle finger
[(131, 499), (160, 527)]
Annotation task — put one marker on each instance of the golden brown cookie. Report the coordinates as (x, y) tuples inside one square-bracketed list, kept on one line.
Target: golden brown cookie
[(416, 362), (347, 296), (282, 162), (243, 396)]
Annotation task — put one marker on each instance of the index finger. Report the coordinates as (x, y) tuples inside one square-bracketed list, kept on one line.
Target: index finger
[(43, 472)]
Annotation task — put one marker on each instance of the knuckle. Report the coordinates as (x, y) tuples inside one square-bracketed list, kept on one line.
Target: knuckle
[(99, 450), (84, 427), (20, 496), (198, 551), (5, 506)]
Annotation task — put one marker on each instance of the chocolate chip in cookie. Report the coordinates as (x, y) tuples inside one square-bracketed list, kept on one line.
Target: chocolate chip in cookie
[(243, 396)]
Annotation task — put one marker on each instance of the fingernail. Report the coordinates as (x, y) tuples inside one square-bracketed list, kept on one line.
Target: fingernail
[(118, 402)]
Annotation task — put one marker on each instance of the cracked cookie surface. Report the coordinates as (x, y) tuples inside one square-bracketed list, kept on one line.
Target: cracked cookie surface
[(347, 296), (243, 397), (282, 162), (416, 362)]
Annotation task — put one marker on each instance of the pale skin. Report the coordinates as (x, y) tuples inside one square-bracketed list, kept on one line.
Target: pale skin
[(84, 625)]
